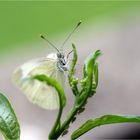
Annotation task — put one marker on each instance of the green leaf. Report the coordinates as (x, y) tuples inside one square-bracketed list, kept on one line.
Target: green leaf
[(89, 67), (73, 82), (90, 62), (88, 79), (74, 60), (106, 119), (9, 125), (54, 83), (96, 74)]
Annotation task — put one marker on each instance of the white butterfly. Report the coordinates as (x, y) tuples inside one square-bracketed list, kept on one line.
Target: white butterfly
[(54, 65)]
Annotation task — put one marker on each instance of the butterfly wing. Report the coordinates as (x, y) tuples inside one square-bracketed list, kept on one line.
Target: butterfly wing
[(37, 92)]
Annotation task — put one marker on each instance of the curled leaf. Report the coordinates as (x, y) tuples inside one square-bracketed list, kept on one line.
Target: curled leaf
[(52, 82), (90, 63), (88, 77)]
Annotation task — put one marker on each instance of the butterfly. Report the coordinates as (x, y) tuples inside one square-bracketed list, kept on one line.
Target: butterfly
[(54, 65)]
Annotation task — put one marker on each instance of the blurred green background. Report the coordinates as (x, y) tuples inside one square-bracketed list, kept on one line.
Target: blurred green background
[(22, 21)]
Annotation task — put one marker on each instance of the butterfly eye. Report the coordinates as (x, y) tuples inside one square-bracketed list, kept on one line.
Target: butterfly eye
[(62, 61)]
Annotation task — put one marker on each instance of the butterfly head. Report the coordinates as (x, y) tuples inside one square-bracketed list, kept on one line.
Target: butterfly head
[(62, 62)]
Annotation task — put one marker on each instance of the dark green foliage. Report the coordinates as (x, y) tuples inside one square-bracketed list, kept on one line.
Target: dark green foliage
[(9, 125), (106, 119)]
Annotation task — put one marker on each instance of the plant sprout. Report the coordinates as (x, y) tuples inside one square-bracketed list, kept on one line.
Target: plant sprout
[(88, 86)]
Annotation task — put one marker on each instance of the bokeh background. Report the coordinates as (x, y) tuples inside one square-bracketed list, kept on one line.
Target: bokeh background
[(112, 26)]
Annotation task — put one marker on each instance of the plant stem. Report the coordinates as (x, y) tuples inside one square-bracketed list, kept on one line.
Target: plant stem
[(54, 132), (68, 119), (62, 101), (70, 116)]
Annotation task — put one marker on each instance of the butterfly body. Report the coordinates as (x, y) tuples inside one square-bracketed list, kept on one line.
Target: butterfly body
[(54, 65)]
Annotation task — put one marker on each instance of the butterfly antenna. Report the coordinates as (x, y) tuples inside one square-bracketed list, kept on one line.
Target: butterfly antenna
[(78, 24), (43, 37), (69, 54)]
